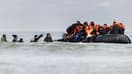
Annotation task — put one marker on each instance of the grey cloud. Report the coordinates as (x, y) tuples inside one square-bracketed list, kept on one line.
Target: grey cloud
[(53, 15)]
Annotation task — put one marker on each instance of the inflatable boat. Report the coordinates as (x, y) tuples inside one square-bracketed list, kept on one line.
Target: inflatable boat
[(108, 38), (113, 38)]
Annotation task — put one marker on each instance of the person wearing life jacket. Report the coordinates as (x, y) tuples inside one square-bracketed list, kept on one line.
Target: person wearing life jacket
[(79, 33), (122, 27), (89, 31), (116, 29), (3, 38), (36, 38), (90, 36), (71, 29), (15, 38), (104, 29), (97, 29), (48, 38), (93, 25)]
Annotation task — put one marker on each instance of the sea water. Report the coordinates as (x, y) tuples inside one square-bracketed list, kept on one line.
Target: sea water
[(63, 58)]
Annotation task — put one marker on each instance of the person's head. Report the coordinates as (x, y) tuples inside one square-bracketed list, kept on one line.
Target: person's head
[(92, 23), (35, 36), (78, 23), (85, 23), (21, 40), (115, 22), (4, 36), (122, 25), (15, 36), (105, 26), (48, 35)]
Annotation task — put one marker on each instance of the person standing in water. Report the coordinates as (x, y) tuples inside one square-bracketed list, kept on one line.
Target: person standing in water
[(3, 38), (15, 38), (21, 40), (48, 38), (36, 38)]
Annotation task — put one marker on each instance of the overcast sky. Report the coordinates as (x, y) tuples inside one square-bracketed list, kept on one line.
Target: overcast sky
[(57, 15)]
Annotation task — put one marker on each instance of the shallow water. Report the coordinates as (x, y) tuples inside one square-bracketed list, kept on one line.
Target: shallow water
[(64, 58)]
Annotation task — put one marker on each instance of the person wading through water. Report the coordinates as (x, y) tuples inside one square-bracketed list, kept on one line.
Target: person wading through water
[(36, 38)]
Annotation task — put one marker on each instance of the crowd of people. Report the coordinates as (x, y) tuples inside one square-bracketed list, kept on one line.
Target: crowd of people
[(79, 32), (48, 38)]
